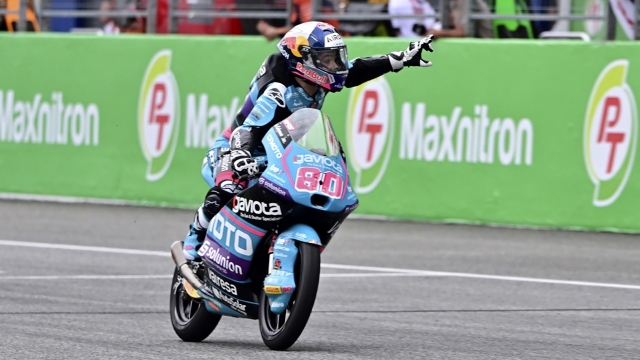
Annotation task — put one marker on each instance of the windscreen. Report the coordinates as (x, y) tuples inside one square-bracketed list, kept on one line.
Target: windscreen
[(311, 129)]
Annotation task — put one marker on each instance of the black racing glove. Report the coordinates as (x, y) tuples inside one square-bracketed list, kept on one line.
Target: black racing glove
[(243, 164), (411, 56)]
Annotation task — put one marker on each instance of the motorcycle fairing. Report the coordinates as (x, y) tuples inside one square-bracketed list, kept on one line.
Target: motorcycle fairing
[(219, 302), (299, 174), (230, 244)]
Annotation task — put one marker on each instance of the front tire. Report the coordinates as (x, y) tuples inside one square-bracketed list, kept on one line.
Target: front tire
[(190, 318), (279, 332)]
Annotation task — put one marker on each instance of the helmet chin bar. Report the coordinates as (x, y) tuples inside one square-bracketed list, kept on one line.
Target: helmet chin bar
[(310, 82)]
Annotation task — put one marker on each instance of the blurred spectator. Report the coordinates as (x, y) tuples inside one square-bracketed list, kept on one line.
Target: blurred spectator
[(411, 28), (301, 11), (543, 7), (249, 26), (365, 27), (134, 24), (9, 22), (113, 26), (108, 23), (512, 28), (459, 18)]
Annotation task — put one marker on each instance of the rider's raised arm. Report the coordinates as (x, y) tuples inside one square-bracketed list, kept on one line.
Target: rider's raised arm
[(269, 105), (362, 70)]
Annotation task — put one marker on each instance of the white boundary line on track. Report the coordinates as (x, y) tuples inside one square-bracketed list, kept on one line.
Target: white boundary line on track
[(147, 277), (381, 270), (85, 277)]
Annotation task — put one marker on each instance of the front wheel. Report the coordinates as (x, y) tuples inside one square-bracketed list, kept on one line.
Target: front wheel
[(279, 332), (190, 318)]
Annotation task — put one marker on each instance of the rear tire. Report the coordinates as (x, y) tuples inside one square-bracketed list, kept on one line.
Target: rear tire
[(190, 318), (279, 332)]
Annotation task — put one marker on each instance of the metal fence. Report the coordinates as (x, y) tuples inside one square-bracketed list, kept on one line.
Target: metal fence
[(148, 10)]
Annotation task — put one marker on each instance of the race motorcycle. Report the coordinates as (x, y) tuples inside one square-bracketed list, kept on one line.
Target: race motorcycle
[(261, 255)]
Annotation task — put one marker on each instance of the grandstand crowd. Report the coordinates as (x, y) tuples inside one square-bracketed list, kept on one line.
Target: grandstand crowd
[(455, 24)]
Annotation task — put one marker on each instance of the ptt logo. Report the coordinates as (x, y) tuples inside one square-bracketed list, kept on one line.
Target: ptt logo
[(158, 115), (370, 124), (610, 133)]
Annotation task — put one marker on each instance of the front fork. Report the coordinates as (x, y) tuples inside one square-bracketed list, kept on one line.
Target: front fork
[(280, 284)]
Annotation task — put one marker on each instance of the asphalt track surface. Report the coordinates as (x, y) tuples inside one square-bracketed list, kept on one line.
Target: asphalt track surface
[(389, 291)]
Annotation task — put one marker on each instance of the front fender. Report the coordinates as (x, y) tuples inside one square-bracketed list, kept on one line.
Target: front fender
[(301, 232)]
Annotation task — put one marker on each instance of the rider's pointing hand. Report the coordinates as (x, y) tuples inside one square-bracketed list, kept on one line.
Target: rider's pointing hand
[(411, 56)]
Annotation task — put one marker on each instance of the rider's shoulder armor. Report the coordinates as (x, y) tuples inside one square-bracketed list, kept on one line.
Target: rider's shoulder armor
[(275, 70)]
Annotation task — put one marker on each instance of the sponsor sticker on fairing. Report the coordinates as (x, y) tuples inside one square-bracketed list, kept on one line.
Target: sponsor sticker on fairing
[(224, 285), (282, 273), (276, 189), (317, 159), (231, 302), (270, 289), (229, 264), (288, 125), (273, 146), (241, 204)]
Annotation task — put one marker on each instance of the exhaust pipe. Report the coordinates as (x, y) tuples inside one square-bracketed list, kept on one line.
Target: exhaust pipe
[(181, 263)]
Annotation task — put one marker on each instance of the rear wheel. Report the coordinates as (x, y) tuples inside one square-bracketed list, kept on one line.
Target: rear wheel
[(190, 318), (279, 332)]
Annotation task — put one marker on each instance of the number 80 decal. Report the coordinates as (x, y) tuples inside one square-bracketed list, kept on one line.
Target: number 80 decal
[(311, 179)]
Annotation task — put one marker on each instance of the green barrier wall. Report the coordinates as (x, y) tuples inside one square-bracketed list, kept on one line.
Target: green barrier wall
[(508, 132)]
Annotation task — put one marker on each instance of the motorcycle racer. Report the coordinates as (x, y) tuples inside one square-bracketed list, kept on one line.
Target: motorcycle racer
[(312, 61)]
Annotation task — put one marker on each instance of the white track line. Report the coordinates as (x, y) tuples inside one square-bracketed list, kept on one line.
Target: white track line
[(147, 277), (84, 248), (395, 271), (86, 277), (481, 276), (376, 274)]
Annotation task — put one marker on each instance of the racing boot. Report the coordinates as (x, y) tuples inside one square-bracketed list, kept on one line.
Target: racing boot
[(213, 202), (195, 236)]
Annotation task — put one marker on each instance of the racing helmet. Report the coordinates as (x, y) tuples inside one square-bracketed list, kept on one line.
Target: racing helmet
[(316, 53)]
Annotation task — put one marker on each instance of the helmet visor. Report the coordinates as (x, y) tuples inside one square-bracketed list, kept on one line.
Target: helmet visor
[(332, 60)]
